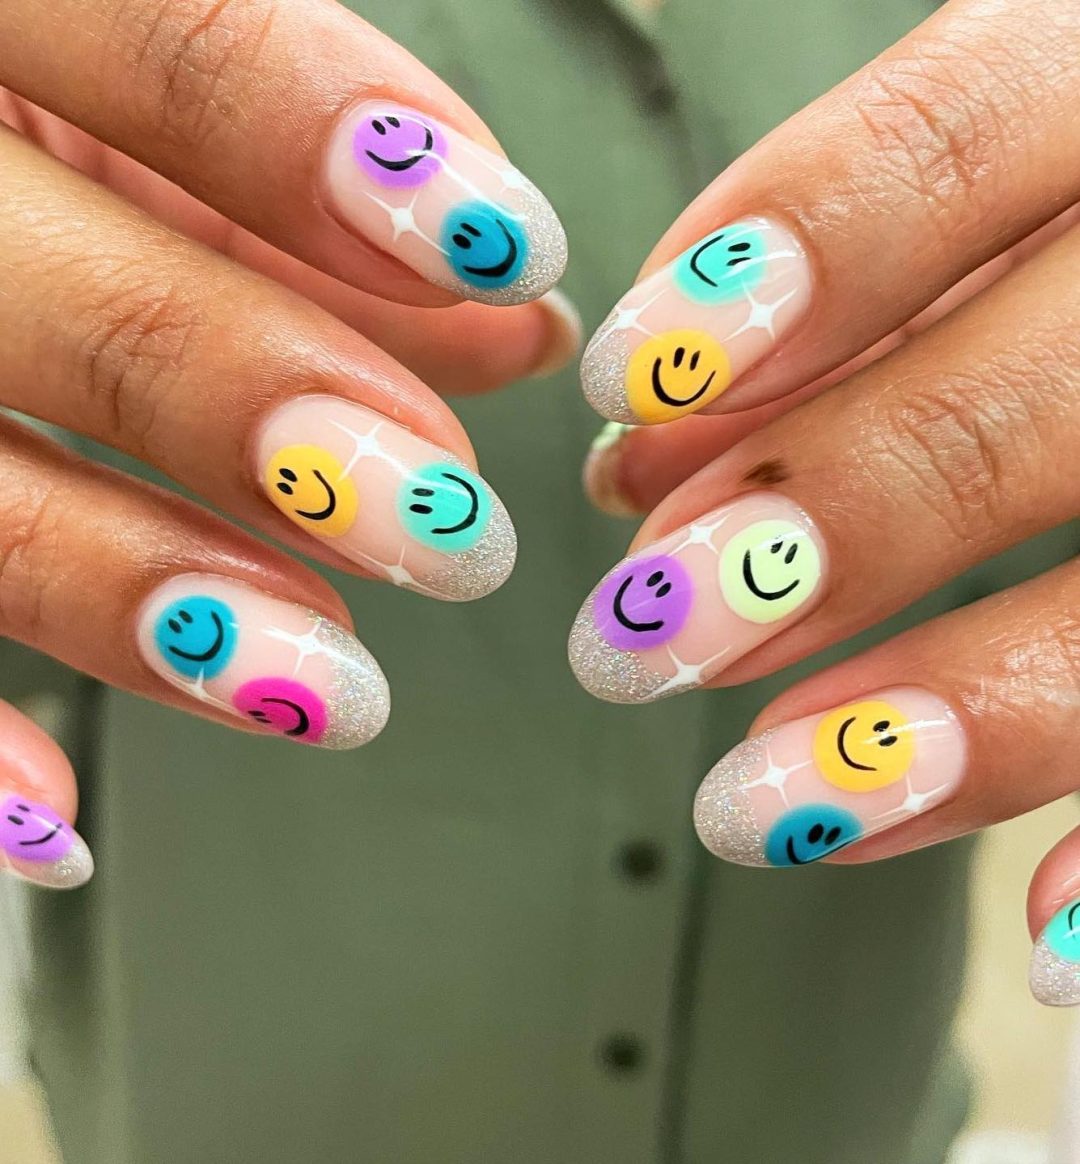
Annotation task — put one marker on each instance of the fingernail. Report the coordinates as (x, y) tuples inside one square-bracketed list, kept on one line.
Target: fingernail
[(813, 786), (1054, 975), (675, 614), (401, 507), (601, 475), (564, 332), (459, 215), (40, 846), (277, 666), (682, 337)]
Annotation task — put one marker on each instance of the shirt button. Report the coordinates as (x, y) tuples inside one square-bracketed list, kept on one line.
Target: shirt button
[(622, 1054), (639, 860)]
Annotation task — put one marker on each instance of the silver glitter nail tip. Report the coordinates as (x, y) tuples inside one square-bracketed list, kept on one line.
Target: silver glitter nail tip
[(75, 868), (610, 674), (477, 572), (723, 816), (359, 696), (603, 373), (1054, 980)]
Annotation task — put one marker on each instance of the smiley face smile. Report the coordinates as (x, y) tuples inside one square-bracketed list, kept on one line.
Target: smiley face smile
[(864, 746), (310, 486), (769, 570), (400, 165), (196, 636), (445, 507), (754, 588), (398, 150), (645, 603), (677, 401), (198, 656), (320, 515), (484, 245), (675, 372)]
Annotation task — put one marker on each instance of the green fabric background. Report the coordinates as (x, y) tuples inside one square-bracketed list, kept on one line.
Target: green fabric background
[(419, 952)]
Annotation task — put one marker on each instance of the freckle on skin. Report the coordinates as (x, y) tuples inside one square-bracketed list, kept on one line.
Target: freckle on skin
[(767, 473)]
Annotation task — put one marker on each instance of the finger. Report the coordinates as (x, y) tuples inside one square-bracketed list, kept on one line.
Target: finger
[(183, 609), (302, 123), (1054, 922), (852, 217), (37, 803), (955, 725), (242, 392), (951, 449)]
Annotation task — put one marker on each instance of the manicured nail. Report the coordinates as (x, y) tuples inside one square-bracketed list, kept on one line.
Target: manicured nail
[(457, 214), (601, 474), (813, 786), (401, 507), (564, 332), (279, 667), (682, 337), (678, 612), (40, 846), (1054, 976)]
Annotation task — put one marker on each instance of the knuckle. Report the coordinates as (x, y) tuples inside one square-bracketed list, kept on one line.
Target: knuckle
[(198, 56), (31, 558)]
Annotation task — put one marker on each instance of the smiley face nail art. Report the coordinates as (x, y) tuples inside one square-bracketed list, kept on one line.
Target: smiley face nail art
[(721, 306), (780, 798), (286, 670), (674, 615), (38, 845), (1054, 975), (384, 499), (457, 214)]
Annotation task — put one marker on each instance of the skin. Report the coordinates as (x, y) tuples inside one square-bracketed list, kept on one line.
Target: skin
[(926, 411)]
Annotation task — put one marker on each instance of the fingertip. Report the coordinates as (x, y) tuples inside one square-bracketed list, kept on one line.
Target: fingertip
[(602, 476), (1054, 925), (563, 333)]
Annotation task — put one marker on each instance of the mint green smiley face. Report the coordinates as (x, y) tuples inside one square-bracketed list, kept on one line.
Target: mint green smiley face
[(445, 507), (1063, 933), (724, 266)]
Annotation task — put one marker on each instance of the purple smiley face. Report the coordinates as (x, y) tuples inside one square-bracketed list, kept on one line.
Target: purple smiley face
[(644, 603), (33, 832), (398, 149)]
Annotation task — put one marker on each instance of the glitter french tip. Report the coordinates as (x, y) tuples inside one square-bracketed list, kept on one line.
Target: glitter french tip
[(814, 786), (459, 215), (680, 338), (1054, 976), (677, 613), (41, 847), (276, 666), (404, 509)]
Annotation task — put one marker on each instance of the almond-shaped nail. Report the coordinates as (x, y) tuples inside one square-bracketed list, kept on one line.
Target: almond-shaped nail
[(459, 215), (40, 846), (277, 666), (683, 336), (373, 492), (600, 473), (811, 787), (1054, 975), (678, 612)]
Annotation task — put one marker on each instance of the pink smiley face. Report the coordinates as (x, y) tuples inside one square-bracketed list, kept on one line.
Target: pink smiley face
[(33, 832), (284, 707), (398, 149)]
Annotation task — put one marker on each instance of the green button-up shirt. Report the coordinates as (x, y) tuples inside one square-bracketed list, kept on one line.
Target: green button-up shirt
[(491, 936)]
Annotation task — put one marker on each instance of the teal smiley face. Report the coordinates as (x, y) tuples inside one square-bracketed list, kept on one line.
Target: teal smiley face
[(726, 265), (485, 244), (445, 507), (1062, 934), (196, 636)]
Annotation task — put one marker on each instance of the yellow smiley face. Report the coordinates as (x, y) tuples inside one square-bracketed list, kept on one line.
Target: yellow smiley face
[(310, 487), (675, 373), (863, 746)]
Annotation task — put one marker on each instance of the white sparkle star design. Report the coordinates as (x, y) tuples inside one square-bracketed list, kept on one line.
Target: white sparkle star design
[(700, 534), (403, 220), (686, 674), (367, 445), (306, 644), (761, 317), (913, 803), (197, 689)]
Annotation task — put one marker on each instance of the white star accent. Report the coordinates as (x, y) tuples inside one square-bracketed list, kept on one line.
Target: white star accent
[(686, 674), (699, 534), (197, 689), (367, 445), (913, 803), (761, 316), (626, 318), (403, 220), (306, 644)]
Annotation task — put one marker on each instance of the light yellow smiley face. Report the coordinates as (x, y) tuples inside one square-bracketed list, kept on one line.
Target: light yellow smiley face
[(863, 746), (675, 373), (768, 570), (310, 487)]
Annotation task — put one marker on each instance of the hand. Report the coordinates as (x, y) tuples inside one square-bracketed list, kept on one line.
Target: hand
[(245, 152), (780, 530)]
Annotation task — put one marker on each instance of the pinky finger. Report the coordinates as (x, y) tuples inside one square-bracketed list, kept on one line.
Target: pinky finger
[(1054, 915), (37, 801)]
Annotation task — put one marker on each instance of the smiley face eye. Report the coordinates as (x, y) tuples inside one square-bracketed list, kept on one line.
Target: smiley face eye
[(677, 359), (833, 835), (24, 807), (394, 122), (776, 547), (743, 246), (694, 361), (815, 834), (186, 617), (16, 820), (379, 128)]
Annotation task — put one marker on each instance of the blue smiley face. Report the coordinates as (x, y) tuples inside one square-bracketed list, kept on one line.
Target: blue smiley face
[(196, 636), (445, 507), (1062, 934), (484, 244), (810, 832), (727, 265)]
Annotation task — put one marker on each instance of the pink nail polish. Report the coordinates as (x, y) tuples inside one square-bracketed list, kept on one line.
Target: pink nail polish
[(274, 665), (38, 845), (811, 787), (678, 612), (387, 500), (680, 338), (459, 215)]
